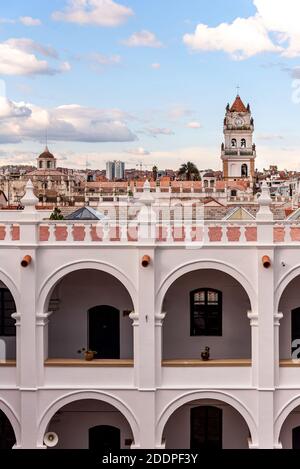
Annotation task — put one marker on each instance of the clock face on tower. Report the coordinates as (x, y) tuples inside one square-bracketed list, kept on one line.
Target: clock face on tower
[(239, 122)]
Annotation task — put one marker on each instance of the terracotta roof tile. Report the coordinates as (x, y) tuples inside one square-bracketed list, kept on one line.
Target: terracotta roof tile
[(238, 105)]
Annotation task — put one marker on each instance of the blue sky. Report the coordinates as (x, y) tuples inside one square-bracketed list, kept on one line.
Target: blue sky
[(147, 81)]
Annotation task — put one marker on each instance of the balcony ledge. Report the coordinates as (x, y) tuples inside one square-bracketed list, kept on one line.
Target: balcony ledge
[(64, 362), (211, 363)]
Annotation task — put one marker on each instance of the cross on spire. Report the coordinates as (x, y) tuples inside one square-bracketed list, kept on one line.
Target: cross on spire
[(238, 89)]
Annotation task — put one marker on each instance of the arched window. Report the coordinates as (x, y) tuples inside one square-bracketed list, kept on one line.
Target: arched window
[(206, 183), (206, 312), (243, 143), (244, 170), (7, 308), (233, 193), (234, 143), (212, 183), (41, 165), (49, 164)]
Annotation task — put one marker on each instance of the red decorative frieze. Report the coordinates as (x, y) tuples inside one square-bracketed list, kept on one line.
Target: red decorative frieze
[(233, 233), (197, 233), (78, 232), (44, 233), (251, 234), (2, 232), (279, 234), (215, 233), (295, 233), (178, 233), (96, 233), (15, 233), (61, 233)]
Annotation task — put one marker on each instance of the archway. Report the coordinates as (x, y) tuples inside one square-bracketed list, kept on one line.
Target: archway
[(206, 308), (7, 434), (73, 298), (289, 332), (7, 324), (92, 409), (287, 426), (233, 429)]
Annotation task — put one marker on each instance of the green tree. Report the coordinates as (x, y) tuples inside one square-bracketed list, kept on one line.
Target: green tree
[(56, 214), (189, 171)]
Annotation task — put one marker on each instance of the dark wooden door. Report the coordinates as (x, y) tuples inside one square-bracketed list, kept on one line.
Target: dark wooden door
[(296, 438), (206, 428), (104, 332), (105, 438), (295, 327), (7, 436)]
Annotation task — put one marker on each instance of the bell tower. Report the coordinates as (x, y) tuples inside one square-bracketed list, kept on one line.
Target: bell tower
[(238, 151)]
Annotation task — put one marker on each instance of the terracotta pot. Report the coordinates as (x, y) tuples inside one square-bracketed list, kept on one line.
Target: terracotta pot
[(89, 356)]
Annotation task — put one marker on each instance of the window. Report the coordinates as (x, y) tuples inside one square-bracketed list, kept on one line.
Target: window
[(49, 164), (206, 312), (243, 143), (244, 170), (41, 164), (206, 428), (7, 308), (234, 143)]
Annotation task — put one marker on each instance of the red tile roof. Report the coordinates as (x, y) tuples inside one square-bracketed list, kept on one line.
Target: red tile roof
[(238, 105)]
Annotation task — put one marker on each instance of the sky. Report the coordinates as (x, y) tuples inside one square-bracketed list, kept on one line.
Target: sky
[(147, 81)]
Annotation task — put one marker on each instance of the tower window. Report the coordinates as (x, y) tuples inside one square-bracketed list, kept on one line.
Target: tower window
[(243, 143), (244, 170), (7, 308), (234, 143), (49, 164), (206, 312), (41, 164)]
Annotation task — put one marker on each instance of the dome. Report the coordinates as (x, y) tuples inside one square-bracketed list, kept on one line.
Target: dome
[(46, 154)]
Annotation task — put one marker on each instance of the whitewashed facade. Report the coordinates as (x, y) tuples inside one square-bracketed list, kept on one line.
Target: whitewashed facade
[(148, 394)]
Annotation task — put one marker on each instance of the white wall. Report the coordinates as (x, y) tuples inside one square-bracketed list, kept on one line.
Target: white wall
[(78, 292), (72, 423), (236, 339), (290, 300), (235, 429)]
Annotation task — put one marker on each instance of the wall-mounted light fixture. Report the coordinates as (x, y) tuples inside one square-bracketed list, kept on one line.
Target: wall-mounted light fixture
[(266, 262), (146, 261), (26, 261)]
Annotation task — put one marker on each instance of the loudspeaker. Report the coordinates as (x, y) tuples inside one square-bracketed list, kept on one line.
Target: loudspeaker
[(51, 439)]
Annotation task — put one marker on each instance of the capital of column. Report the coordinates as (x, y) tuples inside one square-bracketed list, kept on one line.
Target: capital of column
[(277, 318), (253, 318), (17, 317), (135, 318), (159, 319), (42, 319)]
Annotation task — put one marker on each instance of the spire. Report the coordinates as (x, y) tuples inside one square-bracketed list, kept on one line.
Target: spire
[(238, 105)]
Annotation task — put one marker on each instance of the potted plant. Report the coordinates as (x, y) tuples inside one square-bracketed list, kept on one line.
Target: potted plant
[(89, 355), (206, 354)]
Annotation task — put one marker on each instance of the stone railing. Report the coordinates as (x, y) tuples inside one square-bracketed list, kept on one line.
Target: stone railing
[(209, 232)]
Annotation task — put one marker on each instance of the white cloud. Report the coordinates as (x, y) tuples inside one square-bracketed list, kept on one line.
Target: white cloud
[(155, 131), (24, 121), (194, 125), (18, 58), (156, 66), (179, 111), (138, 151), (29, 21), (95, 12), (243, 38), (274, 28), (143, 39)]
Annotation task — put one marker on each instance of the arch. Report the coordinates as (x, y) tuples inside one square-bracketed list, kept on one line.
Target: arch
[(284, 283), (52, 280), (13, 419), (53, 408), (201, 395), (283, 415), (234, 143), (12, 287), (207, 264), (243, 143)]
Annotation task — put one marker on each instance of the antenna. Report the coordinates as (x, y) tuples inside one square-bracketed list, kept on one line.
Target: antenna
[(46, 137)]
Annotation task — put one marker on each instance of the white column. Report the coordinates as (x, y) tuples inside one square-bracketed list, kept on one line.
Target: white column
[(277, 318), (159, 319), (42, 321), (254, 346)]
